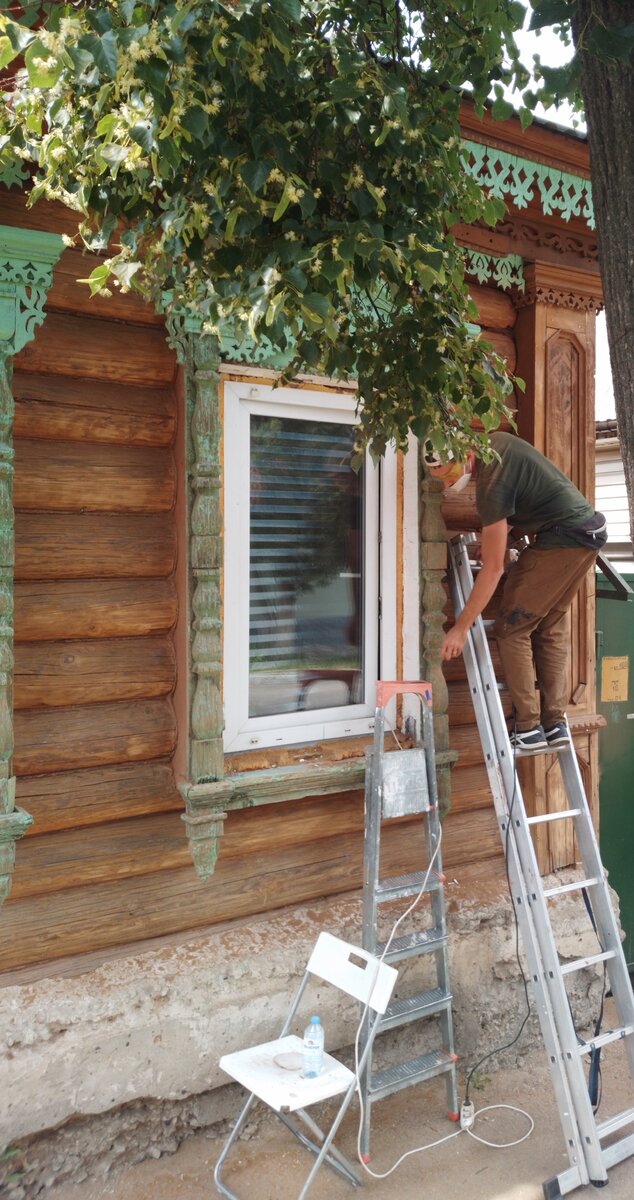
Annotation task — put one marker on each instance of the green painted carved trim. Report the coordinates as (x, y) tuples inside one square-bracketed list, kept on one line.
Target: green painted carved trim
[(14, 175), (276, 785), (433, 568), (507, 271), (507, 175), (199, 353), (27, 258)]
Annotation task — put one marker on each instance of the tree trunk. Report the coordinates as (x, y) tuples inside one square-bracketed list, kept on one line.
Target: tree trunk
[(608, 93)]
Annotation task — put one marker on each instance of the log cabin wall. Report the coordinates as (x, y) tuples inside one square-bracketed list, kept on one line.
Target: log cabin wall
[(106, 863)]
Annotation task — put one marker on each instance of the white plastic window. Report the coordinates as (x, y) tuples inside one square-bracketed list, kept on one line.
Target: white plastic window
[(309, 598)]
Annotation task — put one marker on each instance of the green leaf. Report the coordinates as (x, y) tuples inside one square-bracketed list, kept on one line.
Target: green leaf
[(291, 9), (106, 54), (549, 12), (255, 174), (501, 109), (143, 135), (97, 279), (316, 303), (43, 68)]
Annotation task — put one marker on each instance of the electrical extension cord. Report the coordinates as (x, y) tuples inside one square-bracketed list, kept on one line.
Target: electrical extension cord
[(467, 1115)]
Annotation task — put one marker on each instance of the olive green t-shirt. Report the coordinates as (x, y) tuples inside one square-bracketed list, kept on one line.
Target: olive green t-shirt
[(530, 491)]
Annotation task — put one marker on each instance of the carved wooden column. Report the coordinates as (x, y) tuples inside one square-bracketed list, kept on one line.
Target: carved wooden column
[(199, 354), (555, 333), (433, 568), (26, 270)]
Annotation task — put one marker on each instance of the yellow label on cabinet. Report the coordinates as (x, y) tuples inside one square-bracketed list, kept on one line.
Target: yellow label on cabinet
[(614, 678)]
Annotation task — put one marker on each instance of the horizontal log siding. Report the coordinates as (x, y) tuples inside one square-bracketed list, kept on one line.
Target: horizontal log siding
[(106, 862), (95, 612)]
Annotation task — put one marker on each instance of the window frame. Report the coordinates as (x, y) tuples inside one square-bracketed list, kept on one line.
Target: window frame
[(242, 732)]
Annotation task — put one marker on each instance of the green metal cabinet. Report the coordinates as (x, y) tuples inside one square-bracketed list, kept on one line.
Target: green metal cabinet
[(615, 677)]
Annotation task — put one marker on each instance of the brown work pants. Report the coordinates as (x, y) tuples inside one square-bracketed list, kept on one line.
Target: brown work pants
[(533, 631)]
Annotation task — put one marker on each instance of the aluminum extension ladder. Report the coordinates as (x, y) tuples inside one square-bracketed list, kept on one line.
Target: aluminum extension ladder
[(590, 1158), (401, 783)]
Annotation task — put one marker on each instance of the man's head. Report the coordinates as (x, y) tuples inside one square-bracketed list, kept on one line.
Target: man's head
[(454, 474)]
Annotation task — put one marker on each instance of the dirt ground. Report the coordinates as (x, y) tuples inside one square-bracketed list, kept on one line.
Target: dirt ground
[(270, 1165)]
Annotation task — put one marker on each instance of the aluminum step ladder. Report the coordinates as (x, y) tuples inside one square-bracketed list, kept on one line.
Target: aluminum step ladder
[(403, 783), (590, 1158)]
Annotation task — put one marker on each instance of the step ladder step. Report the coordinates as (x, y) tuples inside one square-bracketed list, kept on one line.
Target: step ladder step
[(554, 816), (571, 887), (580, 963), (603, 1039), (392, 1079), (421, 942), (396, 887), (412, 1008), (618, 1121)]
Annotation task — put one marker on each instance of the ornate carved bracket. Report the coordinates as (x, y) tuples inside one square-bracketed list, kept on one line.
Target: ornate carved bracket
[(199, 354), (27, 258), (547, 284), (26, 270), (507, 270), (433, 568)]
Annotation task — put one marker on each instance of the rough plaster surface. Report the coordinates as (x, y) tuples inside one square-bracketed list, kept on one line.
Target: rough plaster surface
[(121, 1063)]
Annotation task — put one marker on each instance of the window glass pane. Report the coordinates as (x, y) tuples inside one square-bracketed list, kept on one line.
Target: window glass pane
[(306, 552)]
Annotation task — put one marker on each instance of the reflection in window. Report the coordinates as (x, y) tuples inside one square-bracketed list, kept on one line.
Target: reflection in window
[(306, 551)]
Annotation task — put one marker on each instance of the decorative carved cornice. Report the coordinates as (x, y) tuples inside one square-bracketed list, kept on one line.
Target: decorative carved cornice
[(27, 258), (513, 178), (563, 288), (561, 242)]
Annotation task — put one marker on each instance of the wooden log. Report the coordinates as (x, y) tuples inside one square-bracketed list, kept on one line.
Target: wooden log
[(503, 344), (68, 295), (93, 349), (120, 912), (85, 609), (65, 739), (71, 799), (495, 309), (50, 406), (469, 789), (58, 674), (85, 477), (465, 740), (47, 215), (461, 704), (87, 546)]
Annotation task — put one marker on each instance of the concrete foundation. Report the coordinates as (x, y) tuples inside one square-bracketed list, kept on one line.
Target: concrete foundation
[(120, 1062)]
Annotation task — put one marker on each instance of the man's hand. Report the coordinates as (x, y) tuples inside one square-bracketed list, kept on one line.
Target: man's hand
[(454, 640)]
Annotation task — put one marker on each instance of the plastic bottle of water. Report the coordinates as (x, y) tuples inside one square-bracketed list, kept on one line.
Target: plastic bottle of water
[(313, 1049)]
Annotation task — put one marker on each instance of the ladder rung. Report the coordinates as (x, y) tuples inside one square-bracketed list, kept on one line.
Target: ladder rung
[(413, 943), (397, 886), (603, 1039), (580, 963), (488, 624), (554, 816), (618, 1121), (424, 1004), (571, 887), (392, 1079)]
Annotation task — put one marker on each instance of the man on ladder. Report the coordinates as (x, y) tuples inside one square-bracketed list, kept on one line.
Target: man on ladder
[(522, 489)]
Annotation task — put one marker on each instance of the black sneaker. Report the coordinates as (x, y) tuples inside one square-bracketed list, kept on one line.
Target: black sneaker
[(529, 741), (558, 734)]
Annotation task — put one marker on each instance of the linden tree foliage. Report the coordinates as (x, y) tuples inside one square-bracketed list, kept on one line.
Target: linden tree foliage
[(288, 169)]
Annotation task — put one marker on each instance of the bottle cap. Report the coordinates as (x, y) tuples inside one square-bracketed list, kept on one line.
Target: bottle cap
[(314, 1020)]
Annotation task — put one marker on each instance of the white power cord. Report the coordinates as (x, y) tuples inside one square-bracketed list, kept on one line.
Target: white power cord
[(468, 1114)]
